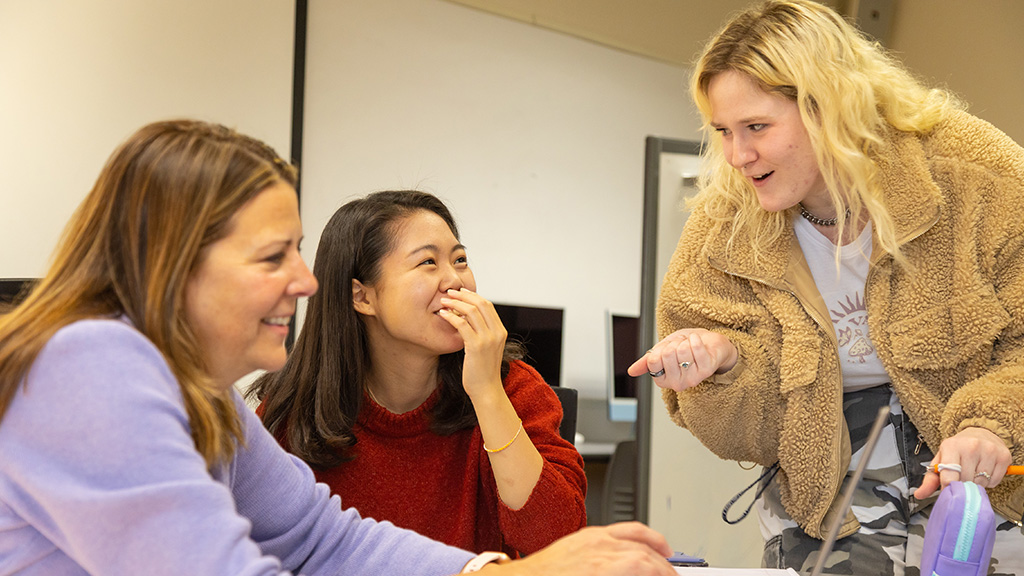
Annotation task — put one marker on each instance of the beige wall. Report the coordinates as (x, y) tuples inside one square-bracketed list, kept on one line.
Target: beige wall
[(534, 138), (673, 31), (975, 48), (76, 78)]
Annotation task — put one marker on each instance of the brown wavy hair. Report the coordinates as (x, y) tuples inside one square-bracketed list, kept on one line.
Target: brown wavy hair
[(164, 195), (312, 403)]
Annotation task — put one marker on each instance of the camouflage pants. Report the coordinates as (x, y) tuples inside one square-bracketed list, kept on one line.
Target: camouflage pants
[(892, 522)]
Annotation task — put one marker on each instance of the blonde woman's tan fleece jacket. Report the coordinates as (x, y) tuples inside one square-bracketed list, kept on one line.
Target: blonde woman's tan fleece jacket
[(950, 334)]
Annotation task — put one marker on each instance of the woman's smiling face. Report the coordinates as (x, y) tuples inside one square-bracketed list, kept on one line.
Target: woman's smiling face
[(242, 294), (764, 138), (400, 307)]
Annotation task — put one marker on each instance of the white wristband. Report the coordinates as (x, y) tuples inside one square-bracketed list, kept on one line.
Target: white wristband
[(483, 559)]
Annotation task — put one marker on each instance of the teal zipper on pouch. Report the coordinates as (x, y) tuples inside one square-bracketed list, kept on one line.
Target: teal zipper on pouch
[(972, 507)]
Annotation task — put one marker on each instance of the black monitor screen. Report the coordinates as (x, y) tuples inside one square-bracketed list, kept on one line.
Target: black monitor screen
[(540, 332), (11, 290), (625, 350)]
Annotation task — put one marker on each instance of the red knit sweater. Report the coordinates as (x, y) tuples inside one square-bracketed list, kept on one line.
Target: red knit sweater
[(443, 487)]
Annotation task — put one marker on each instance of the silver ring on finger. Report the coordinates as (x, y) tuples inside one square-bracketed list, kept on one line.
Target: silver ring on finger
[(984, 474), (684, 365), (657, 374)]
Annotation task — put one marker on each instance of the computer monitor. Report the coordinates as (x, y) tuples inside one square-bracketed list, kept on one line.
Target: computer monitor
[(623, 338), (11, 290), (539, 330)]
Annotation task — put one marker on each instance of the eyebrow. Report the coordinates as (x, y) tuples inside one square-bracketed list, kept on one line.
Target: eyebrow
[(263, 249), (761, 119), (276, 244), (434, 248), (743, 122)]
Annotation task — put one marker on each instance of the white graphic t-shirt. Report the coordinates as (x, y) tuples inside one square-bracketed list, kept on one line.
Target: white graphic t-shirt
[(843, 293)]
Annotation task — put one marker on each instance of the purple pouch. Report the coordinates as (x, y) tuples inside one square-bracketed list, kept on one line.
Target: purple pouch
[(960, 532)]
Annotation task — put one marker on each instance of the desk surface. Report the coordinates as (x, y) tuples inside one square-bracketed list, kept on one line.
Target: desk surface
[(598, 449), (706, 571)]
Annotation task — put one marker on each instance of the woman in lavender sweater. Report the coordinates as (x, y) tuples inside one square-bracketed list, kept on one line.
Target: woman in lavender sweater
[(124, 448)]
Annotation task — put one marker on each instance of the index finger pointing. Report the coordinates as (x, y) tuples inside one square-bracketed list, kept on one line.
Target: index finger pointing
[(639, 367)]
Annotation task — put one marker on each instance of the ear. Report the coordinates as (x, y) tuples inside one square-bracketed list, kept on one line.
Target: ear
[(363, 298)]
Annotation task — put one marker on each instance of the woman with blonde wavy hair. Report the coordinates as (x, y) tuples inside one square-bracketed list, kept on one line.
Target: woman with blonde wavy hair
[(124, 448), (856, 243)]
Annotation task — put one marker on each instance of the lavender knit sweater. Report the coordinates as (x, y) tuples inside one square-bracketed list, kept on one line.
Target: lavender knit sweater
[(99, 475)]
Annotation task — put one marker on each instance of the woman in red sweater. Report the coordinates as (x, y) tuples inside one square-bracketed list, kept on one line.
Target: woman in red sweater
[(405, 398)]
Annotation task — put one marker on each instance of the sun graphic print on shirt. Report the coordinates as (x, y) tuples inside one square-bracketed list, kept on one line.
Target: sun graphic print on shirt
[(850, 318)]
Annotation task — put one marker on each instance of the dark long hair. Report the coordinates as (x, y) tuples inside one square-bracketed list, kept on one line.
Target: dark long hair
[(312, 403)]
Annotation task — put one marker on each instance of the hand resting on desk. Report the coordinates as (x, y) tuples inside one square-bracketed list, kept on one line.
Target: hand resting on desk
[(622, 549)]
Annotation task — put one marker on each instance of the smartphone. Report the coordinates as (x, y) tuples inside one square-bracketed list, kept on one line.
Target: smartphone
[(680, 559)]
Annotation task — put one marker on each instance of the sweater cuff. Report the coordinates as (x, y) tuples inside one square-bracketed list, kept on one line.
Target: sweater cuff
[(733, 373), (991, 425)]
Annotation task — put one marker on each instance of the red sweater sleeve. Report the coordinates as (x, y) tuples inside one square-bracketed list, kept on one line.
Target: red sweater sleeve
[(556, 506)]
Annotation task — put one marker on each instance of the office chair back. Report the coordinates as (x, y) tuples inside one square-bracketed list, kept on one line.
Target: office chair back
[(569, 398), (618, 501)]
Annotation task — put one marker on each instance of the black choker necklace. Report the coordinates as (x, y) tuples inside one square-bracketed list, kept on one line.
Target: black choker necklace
[(815, 220)]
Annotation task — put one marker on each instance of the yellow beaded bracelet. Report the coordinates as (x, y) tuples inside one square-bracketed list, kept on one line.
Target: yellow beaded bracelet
[(496, 450)]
